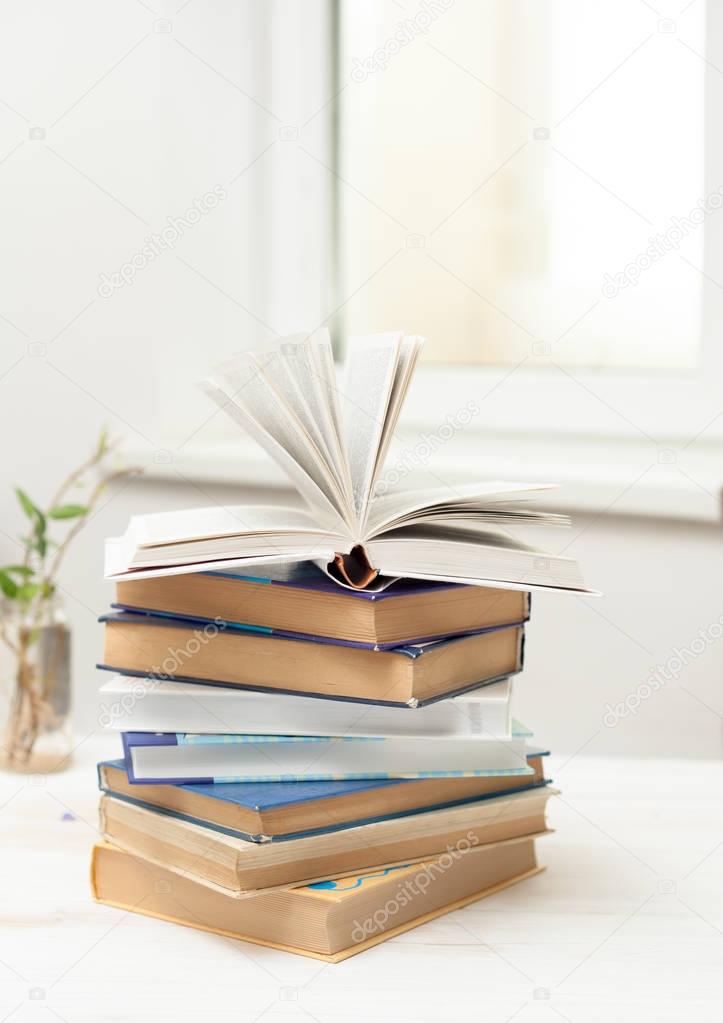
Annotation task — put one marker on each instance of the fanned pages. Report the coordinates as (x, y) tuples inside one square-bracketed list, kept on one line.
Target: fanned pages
[(332, 440)]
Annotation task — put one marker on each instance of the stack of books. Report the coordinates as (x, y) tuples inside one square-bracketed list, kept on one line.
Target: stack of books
[(314, 704), (312, 767)]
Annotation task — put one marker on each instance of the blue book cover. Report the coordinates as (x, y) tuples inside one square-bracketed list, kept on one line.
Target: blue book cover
[(264, 796)]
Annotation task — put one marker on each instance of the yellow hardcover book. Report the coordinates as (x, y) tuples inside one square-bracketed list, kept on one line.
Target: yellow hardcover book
[(330, 920)]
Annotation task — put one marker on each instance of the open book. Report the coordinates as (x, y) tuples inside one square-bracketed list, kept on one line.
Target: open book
[(331, 438)]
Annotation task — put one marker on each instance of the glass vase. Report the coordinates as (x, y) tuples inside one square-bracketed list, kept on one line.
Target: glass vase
[(35, 692)]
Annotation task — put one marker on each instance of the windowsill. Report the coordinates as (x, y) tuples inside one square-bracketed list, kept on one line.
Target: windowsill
[(612, 475)]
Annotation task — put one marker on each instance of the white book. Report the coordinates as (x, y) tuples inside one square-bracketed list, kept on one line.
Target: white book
[(331, 438), (180, 757), (148, 705)]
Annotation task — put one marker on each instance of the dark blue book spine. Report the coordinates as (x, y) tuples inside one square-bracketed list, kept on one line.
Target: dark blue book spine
[(131, 740)]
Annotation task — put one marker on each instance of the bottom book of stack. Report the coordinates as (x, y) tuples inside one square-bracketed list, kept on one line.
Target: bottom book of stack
[(365, 860)]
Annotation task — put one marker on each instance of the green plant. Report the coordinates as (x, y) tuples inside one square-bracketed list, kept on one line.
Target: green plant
[(28, 588)]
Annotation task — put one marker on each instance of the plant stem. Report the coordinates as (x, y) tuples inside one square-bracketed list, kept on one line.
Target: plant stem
[(76, 474), (7, 641), (80, 522)]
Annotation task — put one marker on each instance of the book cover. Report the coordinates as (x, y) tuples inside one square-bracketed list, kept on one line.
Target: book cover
[(412, 649), (265, 796), (265, 630), (236, 758), (412, 652), (132, 884), (151, 705)]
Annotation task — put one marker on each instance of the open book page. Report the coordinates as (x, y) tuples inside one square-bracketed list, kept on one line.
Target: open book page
[(189, 524), (409, 352), (495, 498), (247, 388), (479, 557), (312, 393), (293, 375), (117, 565), (309, 490), (369, 381), (460, 535), (212, 538), (300, 416), (322, 360)]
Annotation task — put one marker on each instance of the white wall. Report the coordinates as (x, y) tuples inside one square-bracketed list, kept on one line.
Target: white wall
[(113, 120), (661, 581)]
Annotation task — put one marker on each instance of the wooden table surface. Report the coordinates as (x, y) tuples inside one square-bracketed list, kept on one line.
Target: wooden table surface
[(626, 924)]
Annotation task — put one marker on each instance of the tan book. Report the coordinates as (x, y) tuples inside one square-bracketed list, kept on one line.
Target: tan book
[(330, 921), (176, 649), (240, 868), (314, 605), (351, 804)]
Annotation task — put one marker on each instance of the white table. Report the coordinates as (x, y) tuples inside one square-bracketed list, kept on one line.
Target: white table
[(626, 924)]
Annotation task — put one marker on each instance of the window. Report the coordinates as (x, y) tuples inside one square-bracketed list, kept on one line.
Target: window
[(528, 177)]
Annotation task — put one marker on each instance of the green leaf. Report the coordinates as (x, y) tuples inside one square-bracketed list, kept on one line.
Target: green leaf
[(7, 585), (23, 570), (68, 511), (38, 542), (27, 591), (27, 505)]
